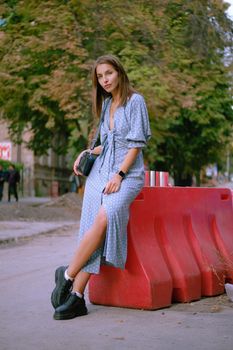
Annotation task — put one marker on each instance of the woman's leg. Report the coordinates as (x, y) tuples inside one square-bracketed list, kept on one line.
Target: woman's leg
[(80, 281), (92, 240), (75, 305)]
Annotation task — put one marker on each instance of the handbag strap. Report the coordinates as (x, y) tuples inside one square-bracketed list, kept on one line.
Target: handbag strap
[(94, 140)]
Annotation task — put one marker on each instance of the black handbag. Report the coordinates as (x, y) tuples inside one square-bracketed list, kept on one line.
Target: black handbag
[(88, 158), (86, 163)]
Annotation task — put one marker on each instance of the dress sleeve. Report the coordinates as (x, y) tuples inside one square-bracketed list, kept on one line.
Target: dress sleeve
[(139, 132)]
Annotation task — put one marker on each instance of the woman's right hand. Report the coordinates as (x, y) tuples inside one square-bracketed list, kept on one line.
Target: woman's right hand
[(76, 163)]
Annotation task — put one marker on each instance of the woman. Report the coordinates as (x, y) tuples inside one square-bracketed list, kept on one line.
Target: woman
[(114, 181)]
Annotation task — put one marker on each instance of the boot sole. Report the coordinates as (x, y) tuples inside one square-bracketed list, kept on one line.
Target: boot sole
[(68, 316)]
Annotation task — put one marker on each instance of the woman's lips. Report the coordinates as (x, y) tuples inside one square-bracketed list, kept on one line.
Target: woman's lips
[(107, 86)]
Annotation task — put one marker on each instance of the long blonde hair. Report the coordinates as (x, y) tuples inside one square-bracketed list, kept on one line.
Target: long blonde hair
[(99, 94)]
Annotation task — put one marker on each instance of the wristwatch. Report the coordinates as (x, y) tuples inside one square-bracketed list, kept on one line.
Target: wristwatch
[(122, 174)]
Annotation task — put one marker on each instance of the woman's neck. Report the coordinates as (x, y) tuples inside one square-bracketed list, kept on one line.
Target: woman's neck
[(116, 97)]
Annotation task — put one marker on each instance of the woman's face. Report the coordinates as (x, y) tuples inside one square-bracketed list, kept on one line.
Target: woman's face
[(107, 77)]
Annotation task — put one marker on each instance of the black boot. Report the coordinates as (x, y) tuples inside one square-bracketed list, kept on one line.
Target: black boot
[(73, 307), (62, 290)]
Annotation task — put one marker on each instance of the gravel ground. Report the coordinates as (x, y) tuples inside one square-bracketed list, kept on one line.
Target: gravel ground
[(63, 208)]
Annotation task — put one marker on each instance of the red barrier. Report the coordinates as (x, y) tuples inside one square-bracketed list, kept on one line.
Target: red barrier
[(161, 178), (156, 178), (180, 248)]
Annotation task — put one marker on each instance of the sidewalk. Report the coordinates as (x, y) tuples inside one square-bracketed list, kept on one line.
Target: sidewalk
[(19, 230), (34, 200)]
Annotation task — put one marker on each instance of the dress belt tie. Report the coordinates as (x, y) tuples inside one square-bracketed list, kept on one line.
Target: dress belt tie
[(108, 144)]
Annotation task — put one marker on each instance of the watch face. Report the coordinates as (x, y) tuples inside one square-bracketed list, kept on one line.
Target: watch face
[(121, 174)]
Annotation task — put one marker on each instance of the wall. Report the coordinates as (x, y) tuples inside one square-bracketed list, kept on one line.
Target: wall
[(40, 175)]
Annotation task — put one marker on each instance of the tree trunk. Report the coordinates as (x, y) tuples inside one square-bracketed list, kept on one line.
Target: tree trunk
[(198, 179)]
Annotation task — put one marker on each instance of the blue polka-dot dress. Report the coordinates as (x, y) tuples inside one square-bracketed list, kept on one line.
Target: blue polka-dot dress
[(131, 130)]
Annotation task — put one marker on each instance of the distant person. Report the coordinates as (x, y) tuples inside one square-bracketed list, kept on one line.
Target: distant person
[(2, 180), (13, 178)]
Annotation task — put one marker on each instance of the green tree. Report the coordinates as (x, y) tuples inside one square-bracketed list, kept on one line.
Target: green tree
[(173, 51), (43, 69), (198, 136)]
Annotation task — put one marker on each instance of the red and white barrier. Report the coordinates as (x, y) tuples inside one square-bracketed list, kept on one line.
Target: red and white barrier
[(156, 178)]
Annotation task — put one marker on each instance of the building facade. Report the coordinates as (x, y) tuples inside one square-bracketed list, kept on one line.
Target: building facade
[(47, 175)]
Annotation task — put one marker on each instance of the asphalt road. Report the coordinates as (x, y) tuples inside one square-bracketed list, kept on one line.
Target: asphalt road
[(26, 323)]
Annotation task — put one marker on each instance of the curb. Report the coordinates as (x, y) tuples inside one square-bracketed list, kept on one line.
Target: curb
[(22, 238)]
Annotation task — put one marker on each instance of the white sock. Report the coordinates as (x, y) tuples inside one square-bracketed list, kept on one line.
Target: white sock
[(78, 294), (67, 277)]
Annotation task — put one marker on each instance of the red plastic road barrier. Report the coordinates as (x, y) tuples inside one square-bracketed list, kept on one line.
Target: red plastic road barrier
[(161, 178), (156, 178), (147, 178), (180, 247)]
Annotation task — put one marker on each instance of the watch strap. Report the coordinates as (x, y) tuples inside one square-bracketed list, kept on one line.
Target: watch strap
[(121, 173)]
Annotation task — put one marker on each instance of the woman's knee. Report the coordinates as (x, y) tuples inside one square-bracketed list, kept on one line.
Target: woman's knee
[(101, 218)]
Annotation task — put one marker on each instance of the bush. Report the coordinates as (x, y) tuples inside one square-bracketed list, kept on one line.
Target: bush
[(6, 163)]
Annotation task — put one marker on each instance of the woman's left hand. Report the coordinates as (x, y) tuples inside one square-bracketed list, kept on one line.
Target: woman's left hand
[(113, 185)]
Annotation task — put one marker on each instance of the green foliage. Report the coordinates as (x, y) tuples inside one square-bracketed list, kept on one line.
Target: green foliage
[(42, 72), (5, 164), (173, 51)]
